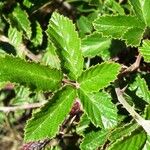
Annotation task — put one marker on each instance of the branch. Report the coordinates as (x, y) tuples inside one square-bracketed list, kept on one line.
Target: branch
[(21, 107), (134, 66), (141, 121)]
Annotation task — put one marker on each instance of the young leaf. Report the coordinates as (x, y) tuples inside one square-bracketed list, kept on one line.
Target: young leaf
[(141, 9), (14, 69), (134, 141), (38, 37), (93, 140), (98, 77), (94, 45), (99, 109), (119, 27), (145, 50), (21, 17), (62, 32), (50, 57), (45, 123)]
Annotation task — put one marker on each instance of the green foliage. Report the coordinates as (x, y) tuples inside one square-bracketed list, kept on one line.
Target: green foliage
[(141, 9), (93, 140), (96, 45), (99, 109), (29, 73), (50, 116), (98, 77), (134, 141), (145, 49), (21, 18), (68, 43), (121, 27), (85, 66)]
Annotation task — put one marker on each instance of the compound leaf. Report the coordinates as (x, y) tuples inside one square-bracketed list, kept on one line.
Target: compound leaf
[(145, 50), (45, 123), (99, 108), (98, 77), (16, 70), (62, 32)]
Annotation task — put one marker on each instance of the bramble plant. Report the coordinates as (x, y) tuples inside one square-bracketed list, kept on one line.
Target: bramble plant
[(87, 81)]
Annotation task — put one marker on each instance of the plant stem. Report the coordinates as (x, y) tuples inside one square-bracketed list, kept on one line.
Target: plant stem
[(141, 121), (22, 107)]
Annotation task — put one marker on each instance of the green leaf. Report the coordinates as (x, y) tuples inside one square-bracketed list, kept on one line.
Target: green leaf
[(142, 90), (133, 36), (135, 141), (38, 37), (120, 27), (15, 38), (21, 17), (141, 9), (145, 50), (84, 25), (94, 45), (147, 144), (16, 70), (93, 140), (62, 32), (114, 6), (98, 77), (45, 123), (122, 131), (99, 108), (27, 3), (50, 57)]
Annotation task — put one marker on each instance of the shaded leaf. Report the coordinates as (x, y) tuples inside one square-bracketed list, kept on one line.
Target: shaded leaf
[(93, 140), (99, 109), (62, 32), (114, 6), (141, 88), (50, 57), (83, 124), (16, 70), (21, 17), (98, 77), (15, 38), (94, 45), (122, 131), (84, 25), (135, 141), (45, 123), (38, 37)]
